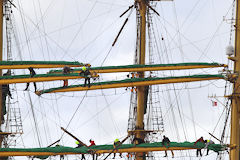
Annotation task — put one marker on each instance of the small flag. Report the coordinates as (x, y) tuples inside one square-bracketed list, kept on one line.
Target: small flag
[(214, 103)]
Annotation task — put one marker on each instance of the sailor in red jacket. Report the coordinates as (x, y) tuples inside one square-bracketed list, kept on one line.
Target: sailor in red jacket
[(66, 70), (200, 140), (92, 143)]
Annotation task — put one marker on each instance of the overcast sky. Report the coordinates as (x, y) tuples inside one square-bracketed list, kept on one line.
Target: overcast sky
[(84, 30)]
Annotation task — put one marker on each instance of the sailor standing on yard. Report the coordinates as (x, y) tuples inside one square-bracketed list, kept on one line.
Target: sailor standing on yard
[(166, 142), (92, 143), (200, 140), (115, 145), (79, 145), (86, 73), (208, 142), (32, 74), (66, 70)]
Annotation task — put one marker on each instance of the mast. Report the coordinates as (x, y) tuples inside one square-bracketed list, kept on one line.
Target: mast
[(235, 118), (140, 90), (1, 55)]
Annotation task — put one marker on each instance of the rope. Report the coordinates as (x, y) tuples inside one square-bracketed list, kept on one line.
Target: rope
[(45, 125), (74, 114), (106, 56), (85, 122), (74, 38), (34, 119), (115, 125), (232, 23), (213, 36), (180, 114), (117, 37), (191, 110), (178, 31)]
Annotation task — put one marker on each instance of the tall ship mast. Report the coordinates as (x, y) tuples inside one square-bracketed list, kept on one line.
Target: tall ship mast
[(144, 127), (1, 50), (235, 132)]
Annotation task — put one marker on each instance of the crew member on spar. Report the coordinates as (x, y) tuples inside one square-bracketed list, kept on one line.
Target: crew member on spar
[(86, 73), (32, 74)]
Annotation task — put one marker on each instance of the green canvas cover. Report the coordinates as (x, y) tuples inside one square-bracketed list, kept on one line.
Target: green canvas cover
[(136, 80), (39, 75), (39, 62), (85, 150), (143, 66)]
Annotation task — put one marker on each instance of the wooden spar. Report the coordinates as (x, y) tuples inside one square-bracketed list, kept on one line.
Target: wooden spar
[(120, 32), (126, 11), (40, 79), (144, 150), (99, 151), (26, 66), (117, 147), (74, 137), (146, 68), (94, 74), (235, 110), (53, 143), (130, 84), (215, 137)]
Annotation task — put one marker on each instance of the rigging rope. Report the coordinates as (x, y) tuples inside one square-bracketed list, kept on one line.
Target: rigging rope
[(226, 120), (232, 23), (191, 110), (117, 37), (45, 124), (214, 35), (34, 119), (85, 122), (180, 113), (74, 114), (106, 56), (113, 121), (178, 31), (78, 31)]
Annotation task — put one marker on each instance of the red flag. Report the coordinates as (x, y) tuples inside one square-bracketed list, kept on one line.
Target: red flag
[(214, 103)]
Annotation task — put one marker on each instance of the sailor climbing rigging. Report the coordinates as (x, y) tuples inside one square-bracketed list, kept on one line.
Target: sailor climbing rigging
[(5, 92)]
